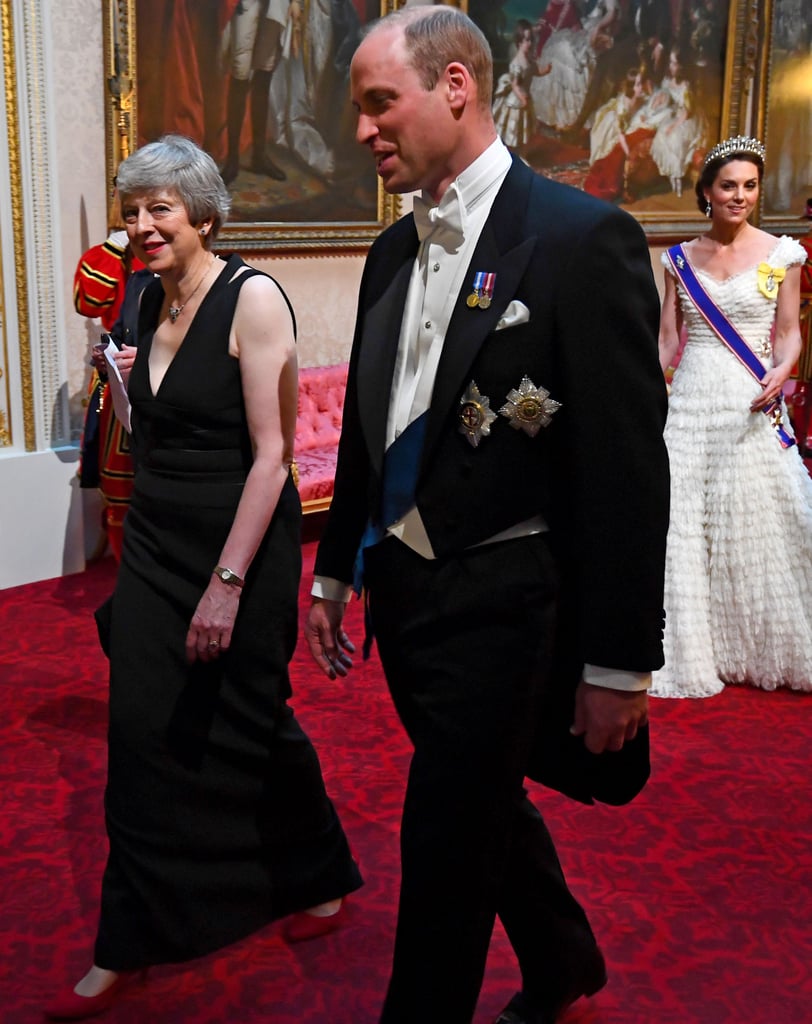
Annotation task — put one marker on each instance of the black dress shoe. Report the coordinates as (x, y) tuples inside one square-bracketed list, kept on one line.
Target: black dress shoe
[(520, 1010)]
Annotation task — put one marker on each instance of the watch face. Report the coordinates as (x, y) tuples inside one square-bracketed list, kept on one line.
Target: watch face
[(227, 576)]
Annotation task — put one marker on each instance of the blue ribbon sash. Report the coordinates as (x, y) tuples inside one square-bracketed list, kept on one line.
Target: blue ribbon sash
[(727, 334), (398, 487)]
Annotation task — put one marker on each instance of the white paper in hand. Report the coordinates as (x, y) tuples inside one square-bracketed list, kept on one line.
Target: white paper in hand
[(121, 401)]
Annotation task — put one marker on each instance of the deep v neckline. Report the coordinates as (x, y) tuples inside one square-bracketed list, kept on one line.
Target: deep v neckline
[(155, 392)]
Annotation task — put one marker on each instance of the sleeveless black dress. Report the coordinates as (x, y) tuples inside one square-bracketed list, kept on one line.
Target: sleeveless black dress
[(216, 810)]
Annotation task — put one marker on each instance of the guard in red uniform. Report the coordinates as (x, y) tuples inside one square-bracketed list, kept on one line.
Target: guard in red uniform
[(98, 291)]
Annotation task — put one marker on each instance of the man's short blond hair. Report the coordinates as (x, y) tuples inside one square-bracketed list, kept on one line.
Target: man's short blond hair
[(437, 36)]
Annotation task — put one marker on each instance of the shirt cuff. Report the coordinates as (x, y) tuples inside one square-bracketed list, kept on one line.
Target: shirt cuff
[(616, 679), (329, 589)]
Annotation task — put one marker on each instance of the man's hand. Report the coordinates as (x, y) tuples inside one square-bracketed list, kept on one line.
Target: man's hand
[(607, 718), (326, 638)]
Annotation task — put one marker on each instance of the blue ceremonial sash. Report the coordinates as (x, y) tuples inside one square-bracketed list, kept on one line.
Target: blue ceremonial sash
[(398, 486), (727, 334)]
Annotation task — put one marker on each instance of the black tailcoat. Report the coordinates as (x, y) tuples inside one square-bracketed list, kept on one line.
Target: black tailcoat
[(598, 473)]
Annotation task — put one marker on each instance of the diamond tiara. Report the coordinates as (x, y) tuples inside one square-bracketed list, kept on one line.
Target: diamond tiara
[(740, 144)]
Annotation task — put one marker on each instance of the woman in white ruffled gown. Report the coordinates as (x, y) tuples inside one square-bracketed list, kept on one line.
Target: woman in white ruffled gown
[(738, 595)]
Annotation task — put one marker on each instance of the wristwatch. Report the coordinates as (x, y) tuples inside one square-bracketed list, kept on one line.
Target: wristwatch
[(229, 576)]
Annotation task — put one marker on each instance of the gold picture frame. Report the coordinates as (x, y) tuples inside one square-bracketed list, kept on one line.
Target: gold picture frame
[(784, 117)]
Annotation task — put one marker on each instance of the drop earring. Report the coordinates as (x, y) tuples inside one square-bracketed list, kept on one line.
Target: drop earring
[(202, 231), (708, 208)]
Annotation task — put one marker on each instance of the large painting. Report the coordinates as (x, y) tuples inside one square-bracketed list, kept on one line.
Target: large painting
[(786, 116), (263, 86), (621, 99)]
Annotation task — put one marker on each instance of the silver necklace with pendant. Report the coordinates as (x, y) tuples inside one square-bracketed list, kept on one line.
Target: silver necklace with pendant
[(175, 311)]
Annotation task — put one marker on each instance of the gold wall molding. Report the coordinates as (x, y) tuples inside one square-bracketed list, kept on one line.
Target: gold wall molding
[(33, 178), (40, 174), (18, 233)]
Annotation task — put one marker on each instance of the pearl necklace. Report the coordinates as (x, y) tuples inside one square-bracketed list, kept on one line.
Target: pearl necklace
[(175, 311)]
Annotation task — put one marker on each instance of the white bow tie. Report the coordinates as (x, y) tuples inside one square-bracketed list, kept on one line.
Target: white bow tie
[(448, 216)]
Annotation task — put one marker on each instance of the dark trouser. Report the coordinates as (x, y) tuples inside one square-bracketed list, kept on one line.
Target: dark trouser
[(465, 645), (267, 52)]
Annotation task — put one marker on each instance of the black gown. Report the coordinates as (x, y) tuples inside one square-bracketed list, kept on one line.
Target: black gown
[(216, 811)]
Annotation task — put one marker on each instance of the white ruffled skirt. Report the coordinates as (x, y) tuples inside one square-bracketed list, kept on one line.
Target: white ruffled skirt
[(738, 594)]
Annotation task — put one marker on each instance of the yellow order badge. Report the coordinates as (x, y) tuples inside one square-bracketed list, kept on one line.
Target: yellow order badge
[(769, 278)]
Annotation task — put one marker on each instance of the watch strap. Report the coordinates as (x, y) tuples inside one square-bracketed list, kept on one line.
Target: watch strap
[(229, 576)]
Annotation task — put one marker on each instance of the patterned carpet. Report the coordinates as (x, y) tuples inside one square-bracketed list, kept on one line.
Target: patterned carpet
[(699, 891)]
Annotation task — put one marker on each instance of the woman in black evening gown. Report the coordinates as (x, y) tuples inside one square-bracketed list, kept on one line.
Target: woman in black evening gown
[(216, 810)]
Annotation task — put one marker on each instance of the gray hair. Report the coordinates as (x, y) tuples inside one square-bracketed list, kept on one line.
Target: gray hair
[(175, 162), (436, 36)]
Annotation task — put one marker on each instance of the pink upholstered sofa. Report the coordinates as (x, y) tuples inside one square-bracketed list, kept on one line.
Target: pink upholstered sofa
[(318, 427)]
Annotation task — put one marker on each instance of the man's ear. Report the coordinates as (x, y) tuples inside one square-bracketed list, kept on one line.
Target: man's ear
[(459, 85)]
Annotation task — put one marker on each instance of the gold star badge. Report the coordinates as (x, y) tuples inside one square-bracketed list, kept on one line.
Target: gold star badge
[(530, 408), (476, 415)]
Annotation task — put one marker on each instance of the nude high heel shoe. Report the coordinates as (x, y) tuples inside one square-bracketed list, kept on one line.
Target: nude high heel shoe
[(72, 1006)]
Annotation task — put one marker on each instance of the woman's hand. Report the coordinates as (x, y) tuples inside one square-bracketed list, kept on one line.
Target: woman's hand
[(124, 361), (772, 384), (213, 621)]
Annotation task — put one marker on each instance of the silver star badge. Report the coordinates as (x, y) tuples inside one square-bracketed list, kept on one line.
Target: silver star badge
[(476, 415), (530, 408)]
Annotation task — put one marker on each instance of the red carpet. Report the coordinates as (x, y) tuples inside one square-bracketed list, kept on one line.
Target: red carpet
[(699, 892)]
